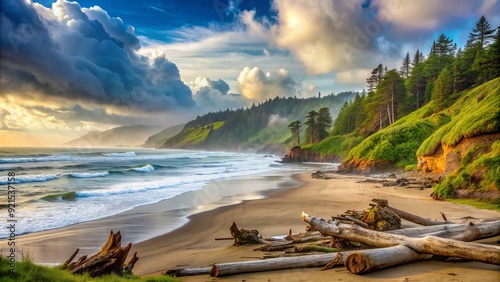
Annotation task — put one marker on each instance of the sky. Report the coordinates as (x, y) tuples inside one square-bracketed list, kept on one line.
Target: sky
[(68, 68)]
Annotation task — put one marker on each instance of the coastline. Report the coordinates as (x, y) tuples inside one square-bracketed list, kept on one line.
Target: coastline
[(54, 246), (272, 213)]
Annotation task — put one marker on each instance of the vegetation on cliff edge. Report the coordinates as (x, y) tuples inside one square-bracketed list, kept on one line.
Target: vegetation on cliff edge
[(26, 271)]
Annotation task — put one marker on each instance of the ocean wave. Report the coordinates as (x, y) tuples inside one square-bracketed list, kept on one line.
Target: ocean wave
[(146, 168), (166, 183), (89, 174), (28, 178), (53, 158), (126, 154)]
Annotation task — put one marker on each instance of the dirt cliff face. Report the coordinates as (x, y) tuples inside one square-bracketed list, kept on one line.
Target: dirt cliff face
[(446, 159)]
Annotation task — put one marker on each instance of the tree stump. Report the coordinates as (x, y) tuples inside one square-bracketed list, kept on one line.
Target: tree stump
[(110, 259), (243, 236), (382, 219)]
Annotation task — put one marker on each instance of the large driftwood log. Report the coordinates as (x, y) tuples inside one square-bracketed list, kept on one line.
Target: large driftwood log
[(462, 232), (427, 244), (231, 268), (110, 259), (369, 260)]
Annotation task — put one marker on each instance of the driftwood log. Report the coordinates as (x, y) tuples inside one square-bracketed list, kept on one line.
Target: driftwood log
[(369, 260), (427, 244), (110, 259)]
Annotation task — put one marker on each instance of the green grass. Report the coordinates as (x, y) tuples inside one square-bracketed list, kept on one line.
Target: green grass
[(411, 167), (192, 136), (27, 271), (480, 204), (476, 112), (338, 145), (397, 143)]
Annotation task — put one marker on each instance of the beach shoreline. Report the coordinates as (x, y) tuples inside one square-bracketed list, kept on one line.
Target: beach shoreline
[(141, 223), (273, 213)]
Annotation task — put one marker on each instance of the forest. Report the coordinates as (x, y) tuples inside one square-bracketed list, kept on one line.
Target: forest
[(260, 127)]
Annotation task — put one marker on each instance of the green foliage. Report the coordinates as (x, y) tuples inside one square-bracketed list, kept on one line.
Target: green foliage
[(411, 167), (489, 204), (443, 88), (295, 130), (482, 33), (337, 145), (262, 126), (397, 143), (476, 112), (192, 136), (27, 271), (311, 127)]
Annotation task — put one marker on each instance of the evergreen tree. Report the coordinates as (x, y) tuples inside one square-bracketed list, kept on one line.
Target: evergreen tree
[(376, 77), (443, 88), (482, 33), (393, 89), (311, 128), (406, 66), (295, 130), (443, 45), (494, 55), (323, 123), (417, 58), (415, 85)]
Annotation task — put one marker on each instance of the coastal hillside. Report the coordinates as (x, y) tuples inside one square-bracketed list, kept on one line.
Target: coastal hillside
[(158, 139), (431, 139), (437, 114), (262, 127), (123, 136)]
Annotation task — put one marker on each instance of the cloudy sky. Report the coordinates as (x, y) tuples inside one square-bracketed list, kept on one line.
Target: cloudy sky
[(71, 67)]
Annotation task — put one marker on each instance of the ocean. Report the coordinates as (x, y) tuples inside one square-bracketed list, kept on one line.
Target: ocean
[(57, 187)]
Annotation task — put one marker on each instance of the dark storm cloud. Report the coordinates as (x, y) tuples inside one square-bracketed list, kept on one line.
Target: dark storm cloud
[(83, 55)]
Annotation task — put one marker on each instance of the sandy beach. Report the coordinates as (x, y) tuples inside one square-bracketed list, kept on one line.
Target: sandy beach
[(272, 213), (193, 245)]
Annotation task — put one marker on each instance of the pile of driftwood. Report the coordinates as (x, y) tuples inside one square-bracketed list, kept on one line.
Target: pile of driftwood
[(110, 259), (362, 244)]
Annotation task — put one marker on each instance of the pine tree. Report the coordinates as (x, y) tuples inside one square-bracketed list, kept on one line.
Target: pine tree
[(406, 66), (494, 55), (443, 45), (443, 88), (393, 89), (295, 130), (417, 58), (323, 123), (482, 33), (311, 128)]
